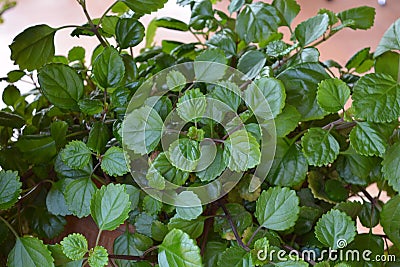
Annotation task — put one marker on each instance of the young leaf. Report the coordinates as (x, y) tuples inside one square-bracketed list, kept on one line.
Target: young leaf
[(235, 256), (310, 30), (192, 105), (390, 40), (362, 17), (288, 10), (129, 32), (207, 72), (33, 47), (29, 251), (256, 22), (357, 59), (391, 166), (333, 94), (74, 246), (390, 219), (110, 206), (141, 7), (113, 162), (98, 257), (76, 155), (241, 151), (320, 147), (213, 169), (251, 63), (142, 130), (368, 140), (228, 93), (98, 137), (162, 168), (194, 208), (194, 228), (335, 227), (61, 85), (287, 121), (10, 188), (184, 154), (78, 194), (176, 81), (277, 208), (109, 68), (376, 98), (178, 249)]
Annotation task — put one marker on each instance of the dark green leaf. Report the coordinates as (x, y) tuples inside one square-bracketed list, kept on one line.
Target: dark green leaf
[(90, 106), (29, 251), (55, 200), (76, 154), (58, 130), (390, 219), (10, 188), (45, 224), (235, 5), (141, 7), (14, 76), (78, 194), (98, 137), (288, 10), (390, 40), (389, 63), (228, 93), (151, 205), (391, 166), (251, 63), (76, 53), (64, 171), (362, 17), (239, 216), (11, 94), (143, 224), (287, 120), (357, 59), (161, 168), (368, 139), (369, 215), (213, 253), (108, 68), (171, 23), (224, 41), (235, 257), (310, 30), (37, 148), (131, 244), (11, 120), (129, 32), (194, 228)]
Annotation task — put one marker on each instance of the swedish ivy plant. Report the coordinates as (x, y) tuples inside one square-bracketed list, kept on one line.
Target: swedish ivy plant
[(334, 130)]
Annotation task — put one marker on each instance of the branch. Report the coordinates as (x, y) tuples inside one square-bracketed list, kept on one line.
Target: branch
[(93, 27)]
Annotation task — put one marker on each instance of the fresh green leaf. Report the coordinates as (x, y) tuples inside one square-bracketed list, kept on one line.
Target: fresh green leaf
[(141, 7), (310, 30), (194, 228), (207, 72), (335, 229), (333, 94), (98, 137), (61, 85), (277, 208), (368, 140), (12, 77), (391, 166), (251, 63), (151, 205), (390, 219), (90, 106), (10, 188), (288, 10), (33, 47), (389, 63), (76, 154), (109, 68), (178, 249), (184, 154), (113, 162), (176, 81), (390, 40), (235, 256), (357, 59), (129, 32), (98, 257), (78, 194), (192, 105), (287, 120), (362, 17), (228, 93), (76, 53)]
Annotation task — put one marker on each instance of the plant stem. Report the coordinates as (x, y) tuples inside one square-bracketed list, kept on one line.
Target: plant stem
[(253, 235), (98, 237), (93, 27), (9, 227), (105, 13)]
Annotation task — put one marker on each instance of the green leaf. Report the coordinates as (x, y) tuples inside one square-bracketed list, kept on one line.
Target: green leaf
[(391, 166), (98, 137), (369, 215), (287, 120), (58, 130), (74, 246), (29, 251), (11, 94), (151, 205), (272, 90), (241, 151), (60, 260), (14, 76), (129, 32), (109, 68), (389, 63), (390, 220), (184, 154), (131, 244), (362, 17), (176, 81), (90, 106), (213, 253), (45, 224), (143, 223), (64, 171), (11, 120), (213, 169), (289, 167), (310, 30), (277, 208), (357, 59), (110, 206), (178, 249), (33, 47), (376, 98), (61, 85), (78, 194), (364, 242), (256, 22), (55, 200), (141, 7), (109, 24), (210, 72), (98, 257), (113, 162), (37, 148), (333, 94), (158, 230), (192, 105), (194, 228), (251, 63), (390, 40), (172, 24), (142, 130), (235, 5), (161, 168), (224, 41), (228, 93), (240, 217), (288, 10), (333, 228), (235, 257), (10, 188), (76, 53), (307, 218), (368, 139), (301, 83), (194, 208), (76, 154), (319, 147)]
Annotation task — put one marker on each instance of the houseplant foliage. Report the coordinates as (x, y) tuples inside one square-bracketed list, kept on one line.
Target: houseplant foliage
[(61, 154)]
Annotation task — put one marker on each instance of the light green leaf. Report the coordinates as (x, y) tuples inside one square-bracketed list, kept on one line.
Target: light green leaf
[(99, 135), (194, 228), (178, 249), (376, 98), (129, 32), (390, 40), (214, 169), (10, 188), (8, 119), (228, 93), (109, 68), (277, 208), (390, 220), (113, 162), (289, 167), (358, 58), (176, 81), (235, 5), (141, 7), (251, 63), (98, 257), (362, 17), (76, 53), (368, 139), (194, 208), (55, 200), (33, 47), (333, 94), (78, 194), (162, 168), (90, 106), (241, 151), (391, 166), (288, 10), (319, 147), (131, 244), (335, 227), (142, 130), (76, 154), (256, 22), (184, 154), (61, 85), (310, 30), (110, 206), (74, 246), (389, 63), (272, 90), (287, 120), (204, 71), (29, 251), (192, 105), (235, 257), (151, 205)]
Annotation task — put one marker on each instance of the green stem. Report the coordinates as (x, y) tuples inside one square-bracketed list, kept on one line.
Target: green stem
[(253, 235), (9, 227), (105, 13), (98, 237)]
